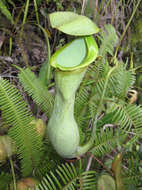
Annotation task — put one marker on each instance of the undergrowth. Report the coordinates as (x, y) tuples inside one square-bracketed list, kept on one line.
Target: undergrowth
[(106, 101)]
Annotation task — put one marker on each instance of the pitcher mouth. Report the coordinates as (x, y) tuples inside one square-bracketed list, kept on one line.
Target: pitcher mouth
[(76, 54)]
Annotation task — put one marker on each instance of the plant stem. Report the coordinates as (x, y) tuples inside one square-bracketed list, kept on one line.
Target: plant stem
[(84, 6), (102, 4), (21, 33), (48, 65), (89, 163), (101, 101), (83, 149), (105, 86), (24, 19), (36, 11), (13, 173), (123, 34), (105, 7), (10, 45), (48, 70)]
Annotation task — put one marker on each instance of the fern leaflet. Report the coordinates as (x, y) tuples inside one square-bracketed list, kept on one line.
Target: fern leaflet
[(17, 115), (128, 116), (106, 141), (37, 90), (66, 177), (108, 39)]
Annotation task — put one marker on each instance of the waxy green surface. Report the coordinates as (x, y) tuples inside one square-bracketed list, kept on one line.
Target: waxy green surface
[(75, 55), (72, 23), (70, 63)]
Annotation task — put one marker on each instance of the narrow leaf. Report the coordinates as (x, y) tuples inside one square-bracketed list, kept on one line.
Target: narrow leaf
[(6, 12), (116, 168)]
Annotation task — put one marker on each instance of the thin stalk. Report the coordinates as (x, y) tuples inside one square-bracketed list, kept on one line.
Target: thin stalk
[(101, 101), (13, 173), (24, 19), (89, 163), (21, 33), (100, 8), (48, 70), (18, 16), (48, 65), (105, 86), (102, 98), (36, 12), (83, 149), (84, 6), (115, 12), (109, 1), (95, 10), (136, 68), (101, 5), (10, 46), (123, 34), (80, 165)]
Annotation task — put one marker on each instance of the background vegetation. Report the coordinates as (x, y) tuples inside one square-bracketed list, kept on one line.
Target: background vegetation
[(111, 89)]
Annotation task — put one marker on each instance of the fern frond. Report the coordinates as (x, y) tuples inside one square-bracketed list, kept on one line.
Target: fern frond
[(133, 178), (133, 175), (81, 98), (81, 104), (119, 83), (108, 40), (16, 114), (128, 116), (106, 141), (93, 105), (36, 90), (97, 70), (122, 81), (87, 98), (48, 162), (66, 177)]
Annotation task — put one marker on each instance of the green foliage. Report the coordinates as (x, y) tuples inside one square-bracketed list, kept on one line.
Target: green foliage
[(68, 177), (105, 88), (37, 90), (102, 94), (108, 39), (128, 116), (136, 36), (106, 141), (81, 103), (5, 11), (48, 161), (112, 96), (39, 2), (16, 114), (133, 175), (108, 84), (123, 81), (5, 179), (97, 72)]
